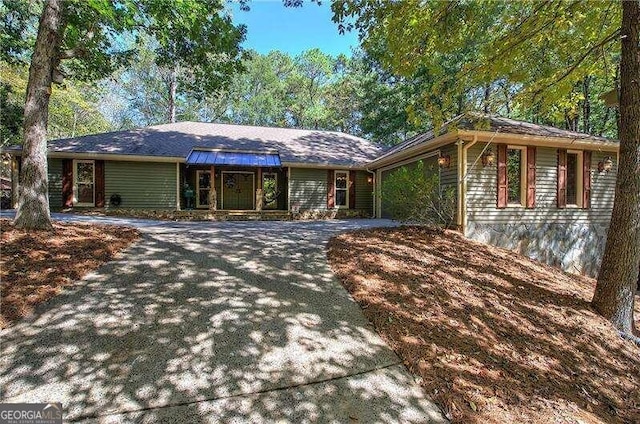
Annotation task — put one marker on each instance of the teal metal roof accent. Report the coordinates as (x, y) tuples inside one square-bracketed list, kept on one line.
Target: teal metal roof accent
[(204, 157)]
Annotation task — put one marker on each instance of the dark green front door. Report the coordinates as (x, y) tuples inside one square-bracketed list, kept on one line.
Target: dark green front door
[(238, 191)]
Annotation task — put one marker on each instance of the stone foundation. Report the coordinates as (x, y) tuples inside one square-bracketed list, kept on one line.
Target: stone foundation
[(307, 214), (576, 248), (222, 215)]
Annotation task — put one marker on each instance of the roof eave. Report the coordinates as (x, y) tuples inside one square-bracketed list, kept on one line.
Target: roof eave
[(540, 140), (431, 144)]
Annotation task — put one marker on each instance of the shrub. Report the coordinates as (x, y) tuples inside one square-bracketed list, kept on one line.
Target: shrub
[(414, 194)]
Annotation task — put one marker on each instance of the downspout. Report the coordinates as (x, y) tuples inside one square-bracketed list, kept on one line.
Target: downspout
[(460, 143)]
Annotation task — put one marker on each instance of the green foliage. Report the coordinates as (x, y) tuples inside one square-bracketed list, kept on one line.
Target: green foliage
[(196, 37), (99, 36), (414, 194), (17, 22), (527, 60), (73, 107)]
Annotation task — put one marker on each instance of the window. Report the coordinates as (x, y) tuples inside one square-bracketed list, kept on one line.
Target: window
[(342, 189), (270, 190), (574, 192), (516, 177), (574, 178), (203, 188), (84, 183)]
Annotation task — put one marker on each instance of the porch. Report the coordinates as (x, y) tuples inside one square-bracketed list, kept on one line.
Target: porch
[(233, 181)]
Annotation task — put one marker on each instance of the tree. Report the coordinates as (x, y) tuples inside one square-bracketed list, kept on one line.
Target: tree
[(414, 194), (73, 107), (84, 40), (614, 295), (545, 50)]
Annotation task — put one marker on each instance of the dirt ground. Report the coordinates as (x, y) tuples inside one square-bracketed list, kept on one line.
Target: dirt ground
[(36, 266), (491, 335)]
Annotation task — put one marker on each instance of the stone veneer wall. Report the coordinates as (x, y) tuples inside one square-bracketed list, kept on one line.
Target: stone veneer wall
[(573, 247)]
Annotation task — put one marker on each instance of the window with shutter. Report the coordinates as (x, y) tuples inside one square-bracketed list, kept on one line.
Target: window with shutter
[(512, 176), (562, 178), (502, 175), (531, 177), (586, 180)]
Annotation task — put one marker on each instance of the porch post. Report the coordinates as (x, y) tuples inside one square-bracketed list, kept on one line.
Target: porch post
[(259, 190), (213, 196), (15, 181), (178, 186)]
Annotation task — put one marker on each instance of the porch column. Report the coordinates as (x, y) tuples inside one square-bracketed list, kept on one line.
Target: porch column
[(15, 181), (213, 196), (178, 194), (259, 197)]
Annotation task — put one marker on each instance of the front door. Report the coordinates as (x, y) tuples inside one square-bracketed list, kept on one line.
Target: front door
[(238, 190)]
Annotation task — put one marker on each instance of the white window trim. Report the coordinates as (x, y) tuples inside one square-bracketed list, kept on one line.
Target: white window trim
[(275, 177), (579, 178), (523, 177), (335, 189), (198, 173), (75, 182)]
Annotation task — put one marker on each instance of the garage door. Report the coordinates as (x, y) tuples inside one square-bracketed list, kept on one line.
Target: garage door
[(430, 165)]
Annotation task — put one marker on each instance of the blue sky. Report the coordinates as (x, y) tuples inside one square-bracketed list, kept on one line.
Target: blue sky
[(271, 26)]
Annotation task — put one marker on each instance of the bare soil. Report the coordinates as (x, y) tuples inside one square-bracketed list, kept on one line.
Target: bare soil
[(36, 266), (491, 335)]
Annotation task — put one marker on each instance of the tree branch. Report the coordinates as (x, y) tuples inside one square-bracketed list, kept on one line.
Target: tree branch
[(573, 67)]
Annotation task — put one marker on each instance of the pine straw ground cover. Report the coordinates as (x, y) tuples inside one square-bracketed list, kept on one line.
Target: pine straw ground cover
[(492, 336), (36, 266)]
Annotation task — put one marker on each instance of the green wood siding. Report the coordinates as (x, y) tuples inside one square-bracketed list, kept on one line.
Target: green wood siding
[(364, 192), (481, 192), (449, 176), (55, 183), (308, 188), (142, 185)]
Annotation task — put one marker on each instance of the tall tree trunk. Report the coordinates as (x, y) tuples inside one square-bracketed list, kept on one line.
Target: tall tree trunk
[(614, 294), (586, 106), (487, 95), (33, 204), (173, 86)]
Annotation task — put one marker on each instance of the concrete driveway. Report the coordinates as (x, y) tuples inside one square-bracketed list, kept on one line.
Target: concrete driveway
[(212, 322)]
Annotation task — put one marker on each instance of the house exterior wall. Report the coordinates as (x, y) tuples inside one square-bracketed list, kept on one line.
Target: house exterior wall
[(449, 176), (142, 185), (308, 188), (364, 192), (570, 238), (55, 183)]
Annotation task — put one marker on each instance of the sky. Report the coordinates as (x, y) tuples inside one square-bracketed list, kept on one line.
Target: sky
[(271, 26)]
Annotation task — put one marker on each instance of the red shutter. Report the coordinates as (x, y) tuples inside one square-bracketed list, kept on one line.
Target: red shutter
[(67, 183), (352, 189), (502, 176), (562, 178), (99, 183), (586, 179), (531, 176), (330, 199)]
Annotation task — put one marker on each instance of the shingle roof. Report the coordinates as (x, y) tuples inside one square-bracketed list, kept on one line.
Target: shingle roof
[(492, 123), (177, 140)]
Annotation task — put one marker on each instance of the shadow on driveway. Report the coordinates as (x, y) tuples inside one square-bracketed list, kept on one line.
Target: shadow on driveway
[(211, 322)]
